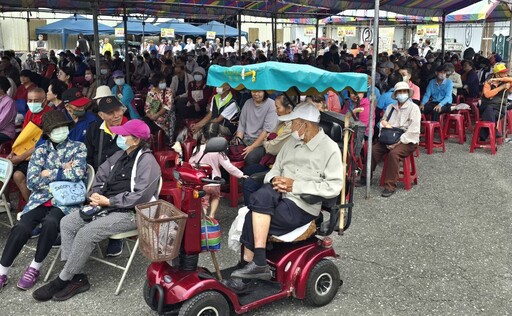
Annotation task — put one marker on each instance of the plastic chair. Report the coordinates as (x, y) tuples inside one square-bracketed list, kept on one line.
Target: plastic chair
[(476, 143), (455, 121), (428, 142), (408, 174), (6, 170)]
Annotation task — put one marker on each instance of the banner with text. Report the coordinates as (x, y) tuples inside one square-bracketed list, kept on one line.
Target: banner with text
[(309, 31), (119, 32), (167, 32), (386, 35), (427, 30), (346, 31), (210, 35)]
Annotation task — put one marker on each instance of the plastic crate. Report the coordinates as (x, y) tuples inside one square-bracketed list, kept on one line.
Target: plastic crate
[(161, 226)]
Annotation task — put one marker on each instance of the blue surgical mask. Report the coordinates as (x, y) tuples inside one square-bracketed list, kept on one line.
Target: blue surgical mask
[(35, 107), (121, 142), (402, 97)]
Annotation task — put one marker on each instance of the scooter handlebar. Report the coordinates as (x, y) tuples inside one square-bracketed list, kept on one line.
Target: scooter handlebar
[(213, 181)]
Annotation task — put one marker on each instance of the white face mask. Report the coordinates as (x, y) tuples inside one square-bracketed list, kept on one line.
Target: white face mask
[(103, 71), (162, 85), (219, 90), (295, 134), (59, 134), (198, 77), (119, 81), (402, 97), (405, 78)]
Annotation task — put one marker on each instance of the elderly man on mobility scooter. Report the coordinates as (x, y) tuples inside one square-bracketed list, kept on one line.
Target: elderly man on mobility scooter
[(307, 164)]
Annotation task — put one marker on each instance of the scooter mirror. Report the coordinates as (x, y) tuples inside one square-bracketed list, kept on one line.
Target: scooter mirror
[(216, 145)]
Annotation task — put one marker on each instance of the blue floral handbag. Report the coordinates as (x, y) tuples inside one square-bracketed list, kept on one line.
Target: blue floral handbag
[(66, 193)]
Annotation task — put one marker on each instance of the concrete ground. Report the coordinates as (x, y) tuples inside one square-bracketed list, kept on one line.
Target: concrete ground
[(443, 248)]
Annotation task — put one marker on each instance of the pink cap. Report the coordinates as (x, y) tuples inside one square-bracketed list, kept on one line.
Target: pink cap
[(135, 128)]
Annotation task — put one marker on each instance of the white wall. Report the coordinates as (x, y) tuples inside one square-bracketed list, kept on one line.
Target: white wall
[(458, 32)]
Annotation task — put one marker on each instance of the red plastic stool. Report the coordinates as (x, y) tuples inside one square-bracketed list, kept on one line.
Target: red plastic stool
[(475, 112), (408, 174), (188, 147), (234, 193), (171, 193), (476, 143), (429, 143), (455, 122), (167, 160), (509, 121), (467, 119), (6, 148)]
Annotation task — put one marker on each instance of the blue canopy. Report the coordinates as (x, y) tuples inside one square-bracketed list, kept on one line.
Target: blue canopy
[(220, 28), (284, 77), (73, 25), (135, 27), (182, 28)]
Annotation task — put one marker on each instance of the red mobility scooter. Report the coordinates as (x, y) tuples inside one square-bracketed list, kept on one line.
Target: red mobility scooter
[(301, 269)]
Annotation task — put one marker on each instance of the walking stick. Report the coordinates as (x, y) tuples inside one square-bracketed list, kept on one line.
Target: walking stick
[(344, 159)]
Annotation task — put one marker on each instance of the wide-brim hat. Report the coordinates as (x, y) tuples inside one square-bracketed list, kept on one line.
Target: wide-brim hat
[(103, 91), (54, 119), (306, 111), (402, 86)]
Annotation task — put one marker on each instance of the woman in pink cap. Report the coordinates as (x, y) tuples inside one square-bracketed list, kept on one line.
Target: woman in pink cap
[(128, 178)]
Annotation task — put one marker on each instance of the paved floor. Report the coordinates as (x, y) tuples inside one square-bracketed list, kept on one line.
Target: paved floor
[(442, 248)]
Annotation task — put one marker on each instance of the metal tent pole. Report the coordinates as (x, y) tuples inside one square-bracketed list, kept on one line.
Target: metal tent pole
[(96, 39), (28, 30), (239, 17), (126, 63), (375, 40), (443, 30), (316, 38)]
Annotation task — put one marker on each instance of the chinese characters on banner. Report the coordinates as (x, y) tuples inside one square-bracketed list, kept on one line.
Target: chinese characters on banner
[(427, 30), (166, 33), (210, 35), (386, 35), (309, 31), (119, 32), (346, 31)]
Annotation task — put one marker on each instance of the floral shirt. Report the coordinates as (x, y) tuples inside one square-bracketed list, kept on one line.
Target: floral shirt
[(53, 158), (154, 102)]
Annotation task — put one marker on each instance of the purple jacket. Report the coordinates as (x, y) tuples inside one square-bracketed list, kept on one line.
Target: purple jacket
[(7, 116)]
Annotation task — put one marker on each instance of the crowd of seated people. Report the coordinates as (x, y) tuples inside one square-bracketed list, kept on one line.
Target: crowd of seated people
[(98, 114)]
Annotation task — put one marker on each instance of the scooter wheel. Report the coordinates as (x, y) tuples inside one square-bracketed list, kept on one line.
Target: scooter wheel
[(149, 300), (208, 303), (323, 283)]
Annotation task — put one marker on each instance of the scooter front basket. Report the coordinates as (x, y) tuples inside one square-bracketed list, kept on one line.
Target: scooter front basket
[(161, 226)]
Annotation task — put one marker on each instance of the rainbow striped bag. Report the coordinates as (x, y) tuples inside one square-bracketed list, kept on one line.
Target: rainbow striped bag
[(210, 234)]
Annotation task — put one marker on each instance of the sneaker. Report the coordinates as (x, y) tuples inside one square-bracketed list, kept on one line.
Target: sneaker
[(36, 231), (3, 281), (253, 271), (78, 284), (387, 193), (28, 279), (115, 247), (46, 292)]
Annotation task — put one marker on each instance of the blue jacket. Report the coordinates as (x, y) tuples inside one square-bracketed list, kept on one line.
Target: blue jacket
[(77, 133), (127, 99), (385, 100), (441, 93)]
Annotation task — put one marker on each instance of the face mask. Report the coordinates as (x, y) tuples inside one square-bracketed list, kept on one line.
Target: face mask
[(103, 71), (35, 107), (198, 77), (383, 71), (402, 97), (219, 90), (119, 81), (79, 113), (121, 142), (162, 86), (441, 76), (405, 78), (88, 77), (59, 134), (295, 134)]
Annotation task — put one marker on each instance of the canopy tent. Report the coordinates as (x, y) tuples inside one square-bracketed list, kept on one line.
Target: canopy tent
[(136, 27), (263, 76), (385, 17), (73, 25), (483, 10), (182, 28), (221, 29)]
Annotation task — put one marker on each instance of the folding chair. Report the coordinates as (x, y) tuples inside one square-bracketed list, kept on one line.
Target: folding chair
[(6, 170), (125, 236)]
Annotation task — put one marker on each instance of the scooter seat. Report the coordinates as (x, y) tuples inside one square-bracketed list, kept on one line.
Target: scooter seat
[(298, 234)]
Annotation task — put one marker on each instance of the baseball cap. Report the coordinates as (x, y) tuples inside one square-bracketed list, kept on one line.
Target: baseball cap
[(108, 104), (305, 111), (136, 128), (71, 95), (499, 68)]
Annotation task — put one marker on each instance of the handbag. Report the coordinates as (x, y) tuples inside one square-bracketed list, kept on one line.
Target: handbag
[(66, 193), (390, 136), (235, 151), (268, 160), (210, 234)]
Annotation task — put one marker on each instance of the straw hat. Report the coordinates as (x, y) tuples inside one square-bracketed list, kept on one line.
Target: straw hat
[(402, 86)]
